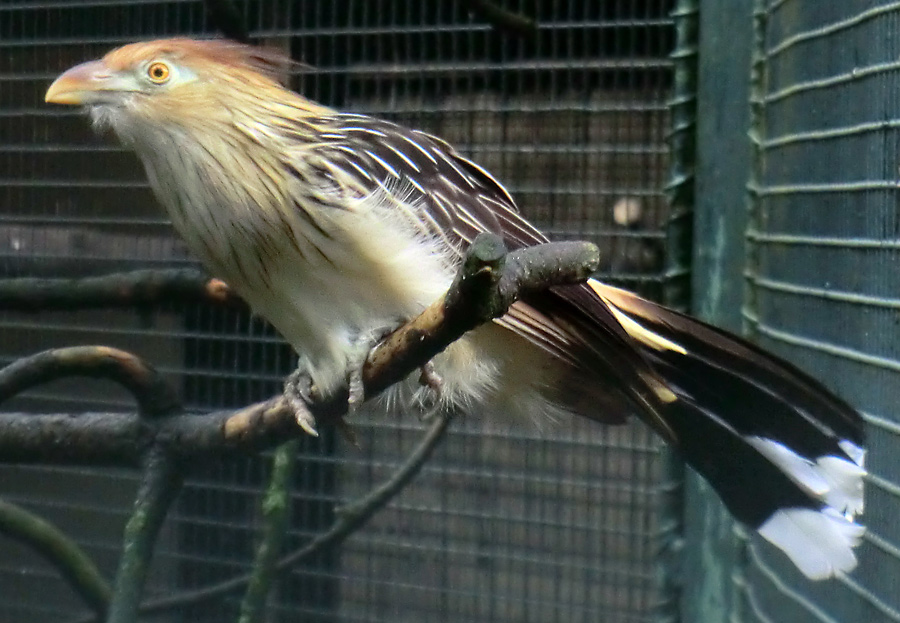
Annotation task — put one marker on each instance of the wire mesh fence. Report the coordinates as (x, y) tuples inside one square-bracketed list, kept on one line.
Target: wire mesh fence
[(507, 523), (822, 273)]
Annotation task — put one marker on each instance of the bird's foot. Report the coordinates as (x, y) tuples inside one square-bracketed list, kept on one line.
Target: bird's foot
[(298, 394), (362, 346), (427, 401), (298, 391)]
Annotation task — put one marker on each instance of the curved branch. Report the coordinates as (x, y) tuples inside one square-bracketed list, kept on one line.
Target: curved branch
[(73, 564), (138, 288), (488, 284), (154, 396)]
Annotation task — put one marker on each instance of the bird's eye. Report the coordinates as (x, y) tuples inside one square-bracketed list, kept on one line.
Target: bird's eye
[(158, 72)]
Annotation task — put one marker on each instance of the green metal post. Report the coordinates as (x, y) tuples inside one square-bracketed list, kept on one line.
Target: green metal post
[(681, 193), (711, 562)]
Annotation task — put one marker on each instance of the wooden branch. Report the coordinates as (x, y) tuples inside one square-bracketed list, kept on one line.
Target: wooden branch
[(160, 484), (154, 396), (487, 285), (138, 288), (73, 564), (489, 281)]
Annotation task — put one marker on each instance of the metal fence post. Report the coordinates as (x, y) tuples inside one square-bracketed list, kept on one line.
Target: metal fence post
[(681, 192), (710, 562)]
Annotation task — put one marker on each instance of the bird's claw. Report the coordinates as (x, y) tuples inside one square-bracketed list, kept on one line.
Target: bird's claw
[(429, 378), (297, 393), (429, 399)]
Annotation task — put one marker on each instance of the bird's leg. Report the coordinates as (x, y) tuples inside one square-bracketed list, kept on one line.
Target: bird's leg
[(362, 347), (298, 394), (364, 343)]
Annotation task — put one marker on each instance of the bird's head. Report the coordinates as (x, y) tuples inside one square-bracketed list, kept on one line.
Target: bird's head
[(175, 82)]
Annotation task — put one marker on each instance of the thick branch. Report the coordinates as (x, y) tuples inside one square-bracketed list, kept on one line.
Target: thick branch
[(489, 282), (70, 560), (485, 289), (154, 396), (139, 288)]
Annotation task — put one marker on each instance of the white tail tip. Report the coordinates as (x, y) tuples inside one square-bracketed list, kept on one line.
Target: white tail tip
[(820, 543)]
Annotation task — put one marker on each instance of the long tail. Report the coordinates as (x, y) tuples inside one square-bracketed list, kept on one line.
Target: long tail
[(783, 453)]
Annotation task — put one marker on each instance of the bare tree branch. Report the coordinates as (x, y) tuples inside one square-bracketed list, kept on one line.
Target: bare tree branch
[(489, 281), (154, 396), (487, 285), (138, 288), (160, 484), (73, 564)]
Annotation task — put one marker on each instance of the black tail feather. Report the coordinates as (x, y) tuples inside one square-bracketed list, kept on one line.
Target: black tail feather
[(750, 485), (783, 453), (724, 367)]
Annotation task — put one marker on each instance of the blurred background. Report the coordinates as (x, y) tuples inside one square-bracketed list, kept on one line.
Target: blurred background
[(734, 158)]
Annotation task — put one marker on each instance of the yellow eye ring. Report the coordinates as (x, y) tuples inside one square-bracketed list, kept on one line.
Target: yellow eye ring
[(158, 72)]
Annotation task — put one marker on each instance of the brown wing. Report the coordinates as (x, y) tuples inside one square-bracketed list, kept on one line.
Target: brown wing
[(458, 200)]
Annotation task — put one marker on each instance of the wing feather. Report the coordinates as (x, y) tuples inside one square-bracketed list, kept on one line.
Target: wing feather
[(460, 200)]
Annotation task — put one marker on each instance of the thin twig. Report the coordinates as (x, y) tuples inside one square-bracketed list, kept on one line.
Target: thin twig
[(160, 484), (225, 16), (154, 396), (503, 20), (73, 564), (138, 288), (275, 511), (350, 518)]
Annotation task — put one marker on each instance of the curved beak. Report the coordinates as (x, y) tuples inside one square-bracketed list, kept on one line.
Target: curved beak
[(83, 84)]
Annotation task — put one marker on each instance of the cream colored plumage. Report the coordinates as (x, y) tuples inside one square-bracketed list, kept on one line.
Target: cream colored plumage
[(333, 226)]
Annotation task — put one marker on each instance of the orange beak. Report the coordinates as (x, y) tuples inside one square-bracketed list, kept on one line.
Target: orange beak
[(84, 84)]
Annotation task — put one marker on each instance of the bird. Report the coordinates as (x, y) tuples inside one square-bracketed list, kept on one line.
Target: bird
[(334, 226)]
